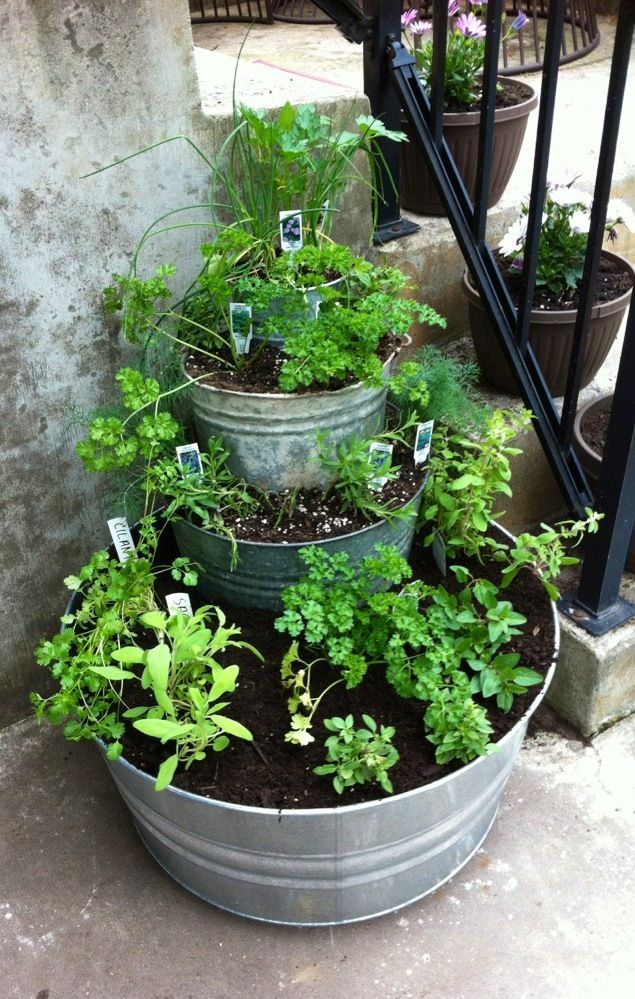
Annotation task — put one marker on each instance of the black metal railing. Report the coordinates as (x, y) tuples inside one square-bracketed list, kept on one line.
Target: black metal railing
[(393, 88)]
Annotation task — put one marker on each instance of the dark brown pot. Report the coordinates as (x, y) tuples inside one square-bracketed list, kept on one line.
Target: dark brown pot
[(592, 460), (551, 336), (418, 192)]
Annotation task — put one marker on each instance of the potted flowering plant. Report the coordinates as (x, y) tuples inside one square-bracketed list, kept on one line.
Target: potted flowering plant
[(561, 251), (464, 57)]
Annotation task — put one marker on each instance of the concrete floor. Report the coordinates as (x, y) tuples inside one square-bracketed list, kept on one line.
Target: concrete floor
[(545, 910)]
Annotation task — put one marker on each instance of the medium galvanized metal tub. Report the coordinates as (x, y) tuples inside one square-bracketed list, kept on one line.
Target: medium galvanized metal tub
[(264, 570), (271, 437), (317, 867)]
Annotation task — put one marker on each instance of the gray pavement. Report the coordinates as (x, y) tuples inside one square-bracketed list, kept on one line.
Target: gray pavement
[(545, 910)]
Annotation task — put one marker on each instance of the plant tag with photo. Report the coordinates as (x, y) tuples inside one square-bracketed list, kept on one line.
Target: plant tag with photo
[(179, 603), (189, 458), (438, 553), (290, 230), (377, 454), (423, 442), (122, 538), (240, 326)]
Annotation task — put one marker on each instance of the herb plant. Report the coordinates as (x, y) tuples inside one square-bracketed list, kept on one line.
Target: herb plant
[(435, 646), (358, 755), (188, 684), (115, 595)]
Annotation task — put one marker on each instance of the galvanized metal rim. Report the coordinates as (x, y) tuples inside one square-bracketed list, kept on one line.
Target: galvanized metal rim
[(334, 393), (291, 546)]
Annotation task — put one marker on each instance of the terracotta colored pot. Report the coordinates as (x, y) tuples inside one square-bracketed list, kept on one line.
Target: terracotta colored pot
[(551, 336), (418, 191), (592, 460)]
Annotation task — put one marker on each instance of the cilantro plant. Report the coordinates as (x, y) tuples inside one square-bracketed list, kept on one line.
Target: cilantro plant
[(358, 755), (114, 595)]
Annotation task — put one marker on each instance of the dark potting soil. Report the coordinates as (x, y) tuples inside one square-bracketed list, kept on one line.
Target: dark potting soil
[(275, 774), (612, 282), (310, 514), (594, 426), (261, 375), (512, 94)]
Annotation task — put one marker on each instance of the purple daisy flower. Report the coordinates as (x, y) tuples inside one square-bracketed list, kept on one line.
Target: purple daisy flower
[(408, 17), (470, 26), (519, 21)]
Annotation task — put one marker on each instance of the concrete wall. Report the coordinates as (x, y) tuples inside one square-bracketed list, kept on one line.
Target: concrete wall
[(82, 83)]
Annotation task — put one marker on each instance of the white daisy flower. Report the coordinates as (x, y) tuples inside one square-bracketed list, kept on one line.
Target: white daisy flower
[(580, 220), (619, 211), (514, 238), (567, 197)]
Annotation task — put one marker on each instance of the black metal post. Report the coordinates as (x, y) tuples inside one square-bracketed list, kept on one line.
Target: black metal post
[(597, 606), (384, 104), (486, 126), (606, 159), (555, 22)]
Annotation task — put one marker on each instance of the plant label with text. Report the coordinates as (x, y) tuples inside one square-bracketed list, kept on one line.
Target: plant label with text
[(179, 603), (377, 455), (423, 442), (240, 326), (189, 458), (121, 537), (290, 230)]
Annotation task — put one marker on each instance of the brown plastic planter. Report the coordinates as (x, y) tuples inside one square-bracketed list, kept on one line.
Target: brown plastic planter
[(591, 460), (418, 191), (551, 336)]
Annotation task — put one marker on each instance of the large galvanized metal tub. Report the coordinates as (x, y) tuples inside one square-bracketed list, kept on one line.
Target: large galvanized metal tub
[(271, 436), (317, 867), (264, 570)]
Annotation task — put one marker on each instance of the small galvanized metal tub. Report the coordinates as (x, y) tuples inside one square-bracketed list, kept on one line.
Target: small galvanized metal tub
[(264, 570), (317, 867), (271, 436)]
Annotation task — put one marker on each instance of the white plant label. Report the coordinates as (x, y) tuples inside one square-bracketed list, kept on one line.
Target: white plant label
[(323, 214), (189, 458), (122, 538), (423, 442), (179, 603), (377, 454), (241, 326), (290, 230)]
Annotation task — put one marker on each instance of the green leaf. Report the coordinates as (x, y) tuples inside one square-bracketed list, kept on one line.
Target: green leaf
[(112, 672), (153, 619), (159, 728), (232, 727), (158, 660), (128, 654), (166, 772)]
